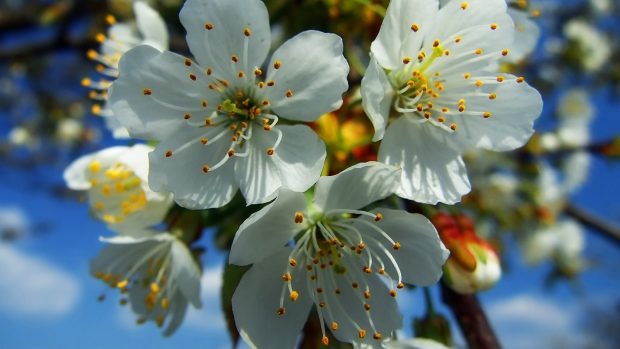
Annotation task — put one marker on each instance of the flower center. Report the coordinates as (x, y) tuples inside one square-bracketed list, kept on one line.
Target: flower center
[(338, 259), (116, 192)]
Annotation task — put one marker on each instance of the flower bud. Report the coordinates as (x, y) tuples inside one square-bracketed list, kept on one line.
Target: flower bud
[(473, 264)]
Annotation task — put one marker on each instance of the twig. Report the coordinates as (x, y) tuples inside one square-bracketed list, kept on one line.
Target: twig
[(471, 319), (606, 229)]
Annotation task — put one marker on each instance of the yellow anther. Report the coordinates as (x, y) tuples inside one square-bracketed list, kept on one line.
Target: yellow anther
[(377, 336), (367, 294), (94, 166), (209, 26), (458, 39), (165, 303), (289, 93), (292, 262), (461, 108), (241, 74), (486, 114), (396, 245), (187, 116), (270, 83), (91, 54), (500, 79), (361, 333), (122, 284), (366, 306), (188, 62), (464, 5), (205, 168), (478, 51), (479, 83), (436, 43), (160, 320), (453, 127), (294, 296), (286, 277), (415, 27), (261, 84), (100, 38), (258, 72), (441, 119), (427, 115), (406, 60), (299, 217), (393, 293), (378, 217), (325, 341), (334, 326), (277, 64), (168, 153), (400, 285), (230, 153), (493, 26), (209, 71), (192, 77), (110, 20), (247, 31), (492, 96), (270, 151), (505, 52), (154, 287), (281, 311), (234, 58), (86, 82), (520, 79)]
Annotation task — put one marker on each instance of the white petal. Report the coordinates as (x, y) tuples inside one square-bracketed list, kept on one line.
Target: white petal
[(151, 25), (76, 174), (177, 315), (265, 232), (527, 34), (258, 296), (186, 273), (154, 92), (396, 39), (295, 165), (416, 343), (349, 305), (377, 96), (357, 186), (422, 254), (510, 126), (182, 173), (314, 70), (214, 48), (432, 171)]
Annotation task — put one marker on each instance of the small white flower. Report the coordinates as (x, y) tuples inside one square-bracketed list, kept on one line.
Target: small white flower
[(148, 29), (217, 120), (69, 130), (527, 32), (575, 112), (347, 262), (156, 271), (563, 240), (118, 192), (593, 46), (432, 70)]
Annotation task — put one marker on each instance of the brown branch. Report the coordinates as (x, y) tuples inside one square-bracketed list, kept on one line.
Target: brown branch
[(605, 229), (471, 319)]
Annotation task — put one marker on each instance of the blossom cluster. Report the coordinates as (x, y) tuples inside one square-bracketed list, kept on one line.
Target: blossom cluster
[(238, 117)]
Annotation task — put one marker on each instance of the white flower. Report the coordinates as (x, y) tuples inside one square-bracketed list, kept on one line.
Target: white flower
[(345, 261), (156, 271), (575, 167), (593, 46), (575, 112), (118, 192), (148, 29), (527, 32), (69, 130), (216, 119), (563, 240), (433, 68), (602, 7), (416, 343)]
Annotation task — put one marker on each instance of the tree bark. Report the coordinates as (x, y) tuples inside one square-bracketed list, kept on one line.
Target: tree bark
[(471, 319)]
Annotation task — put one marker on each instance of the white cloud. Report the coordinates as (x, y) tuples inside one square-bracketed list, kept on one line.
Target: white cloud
[(527, 321), (13, 221), (31, 286)]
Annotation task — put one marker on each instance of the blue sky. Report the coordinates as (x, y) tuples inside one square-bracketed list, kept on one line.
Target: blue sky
[(50, 301)]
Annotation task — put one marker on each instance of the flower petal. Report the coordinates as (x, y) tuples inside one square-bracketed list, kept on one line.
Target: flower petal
[(186, 272), (416, 343), (265, 232), (258, 296), (315, 72), (76, 174), (155, 90), (513, 110), (432, 171), (151, 25), (348, 306), (421, 255), (182, 172), (377, 96), (357, 186), (228, 21), (396, 38), (527, 34), (295, 164)]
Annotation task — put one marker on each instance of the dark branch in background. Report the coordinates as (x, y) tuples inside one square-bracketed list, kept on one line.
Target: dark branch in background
[(471, 319), (606, 229)]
